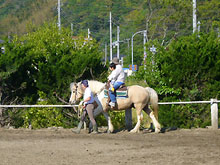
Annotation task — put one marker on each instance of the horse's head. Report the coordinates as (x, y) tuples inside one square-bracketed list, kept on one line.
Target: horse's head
[(76, 92)]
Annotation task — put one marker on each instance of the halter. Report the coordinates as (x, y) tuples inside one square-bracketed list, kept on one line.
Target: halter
[(76, 92)]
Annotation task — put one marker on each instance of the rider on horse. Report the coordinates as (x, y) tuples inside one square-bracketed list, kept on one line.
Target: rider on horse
[(117, 78)]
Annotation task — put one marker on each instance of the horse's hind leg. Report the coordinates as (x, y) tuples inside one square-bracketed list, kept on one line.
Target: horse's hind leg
[(99, 110), (155, 122), (139, 119)]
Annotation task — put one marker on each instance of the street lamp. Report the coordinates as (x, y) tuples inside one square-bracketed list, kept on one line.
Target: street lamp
[(132, 54)]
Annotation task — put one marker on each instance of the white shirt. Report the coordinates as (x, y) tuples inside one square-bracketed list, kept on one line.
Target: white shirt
[(117, 75), (88, 93)]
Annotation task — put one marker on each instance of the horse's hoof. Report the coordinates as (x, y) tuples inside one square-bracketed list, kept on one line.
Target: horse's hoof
[(133, 131), (157, 130)]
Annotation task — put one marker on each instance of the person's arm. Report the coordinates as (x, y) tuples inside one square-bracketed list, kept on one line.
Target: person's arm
[(115, 73), (112, 76), (87, 99)]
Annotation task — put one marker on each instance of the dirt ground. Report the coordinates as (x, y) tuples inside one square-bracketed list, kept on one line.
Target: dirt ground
[(62, 147)]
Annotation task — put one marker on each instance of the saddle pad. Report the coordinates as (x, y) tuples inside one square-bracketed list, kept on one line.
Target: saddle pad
[(119, 94)]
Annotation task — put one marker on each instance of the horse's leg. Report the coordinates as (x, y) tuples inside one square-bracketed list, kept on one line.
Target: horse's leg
[(139, 118), (110, 126), (99, 110), (155, 122)]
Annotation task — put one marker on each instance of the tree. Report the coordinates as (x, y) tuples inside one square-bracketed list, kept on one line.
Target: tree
[(188, 70), (47, 60)]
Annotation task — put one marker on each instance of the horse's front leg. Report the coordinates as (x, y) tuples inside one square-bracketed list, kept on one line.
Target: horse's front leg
[(137, 126), (110, 126)]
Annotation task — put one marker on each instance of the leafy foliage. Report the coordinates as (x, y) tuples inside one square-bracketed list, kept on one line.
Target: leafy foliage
[(46, 117), (186, 70), (164, 20), (47, 60)]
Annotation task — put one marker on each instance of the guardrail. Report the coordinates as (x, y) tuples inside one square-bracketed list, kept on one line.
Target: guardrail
[(213, 102)]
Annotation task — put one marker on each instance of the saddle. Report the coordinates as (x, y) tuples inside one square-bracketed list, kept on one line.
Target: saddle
[(122, 88), (121, 92)]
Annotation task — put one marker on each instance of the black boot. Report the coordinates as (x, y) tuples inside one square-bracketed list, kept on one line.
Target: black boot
[(90, 127), (78, 128)]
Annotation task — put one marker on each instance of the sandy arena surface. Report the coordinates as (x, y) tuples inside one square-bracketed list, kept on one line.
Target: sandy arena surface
[(62, 147)]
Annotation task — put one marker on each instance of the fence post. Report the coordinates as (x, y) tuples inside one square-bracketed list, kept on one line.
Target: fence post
[(214, 113), (128, 119)]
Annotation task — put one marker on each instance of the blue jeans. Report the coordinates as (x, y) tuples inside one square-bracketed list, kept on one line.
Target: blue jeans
[(113, 94)]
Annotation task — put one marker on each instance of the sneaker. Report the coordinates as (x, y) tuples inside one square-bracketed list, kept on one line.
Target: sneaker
[(112, 104)]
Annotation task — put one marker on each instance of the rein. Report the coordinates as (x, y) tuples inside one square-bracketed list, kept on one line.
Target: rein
[(77, 92)]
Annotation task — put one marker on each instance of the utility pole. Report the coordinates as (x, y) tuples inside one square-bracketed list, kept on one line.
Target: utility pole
[(128, 39), (198, 28), (194, 16), (110, 17), (145, 53), (71, 29), (105, 53), (88, 34), (122, 61), (59, 21), (218, 33), (153, 50), (118, 31)]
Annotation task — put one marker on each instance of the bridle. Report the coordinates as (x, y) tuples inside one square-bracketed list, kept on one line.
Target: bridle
[(76, 91)]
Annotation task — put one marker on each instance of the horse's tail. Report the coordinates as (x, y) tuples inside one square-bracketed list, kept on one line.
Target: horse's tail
[(153, 100)]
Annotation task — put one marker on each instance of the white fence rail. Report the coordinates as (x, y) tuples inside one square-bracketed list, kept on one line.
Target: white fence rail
[(38, 106), (213, 102), (214, 109)]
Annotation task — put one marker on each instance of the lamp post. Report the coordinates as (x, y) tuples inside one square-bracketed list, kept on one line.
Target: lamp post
[(132, 54)]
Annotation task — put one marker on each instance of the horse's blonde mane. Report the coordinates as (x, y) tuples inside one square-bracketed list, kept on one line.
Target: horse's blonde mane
[(96, 86), (71, 86)]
